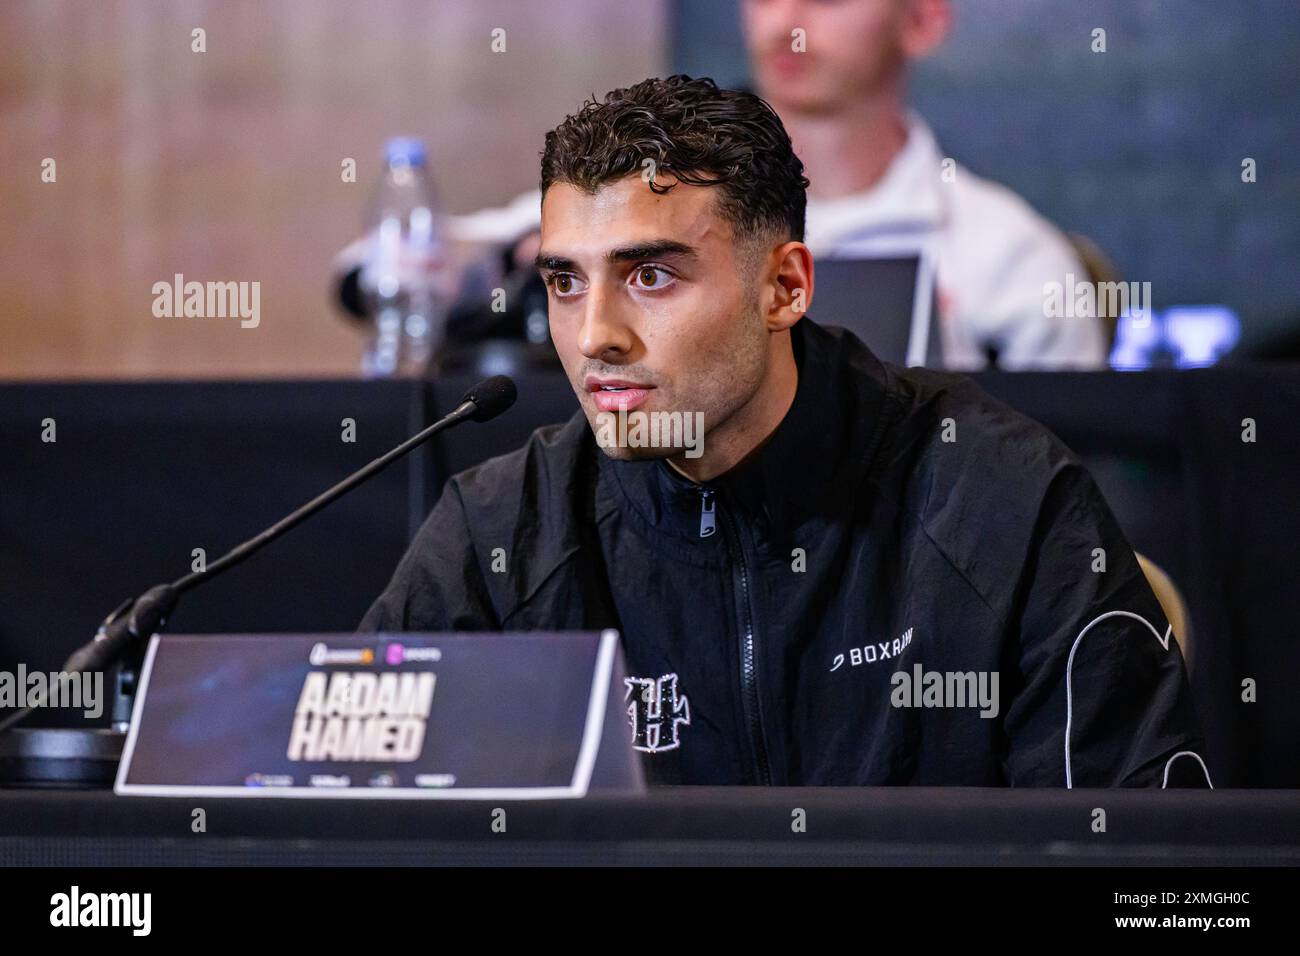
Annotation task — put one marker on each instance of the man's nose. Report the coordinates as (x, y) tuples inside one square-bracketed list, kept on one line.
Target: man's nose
[(604, 331)]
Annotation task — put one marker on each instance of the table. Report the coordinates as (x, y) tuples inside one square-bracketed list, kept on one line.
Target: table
[(672, 825)]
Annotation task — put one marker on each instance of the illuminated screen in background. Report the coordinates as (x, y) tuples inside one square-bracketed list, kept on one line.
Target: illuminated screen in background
[(1185, 336)]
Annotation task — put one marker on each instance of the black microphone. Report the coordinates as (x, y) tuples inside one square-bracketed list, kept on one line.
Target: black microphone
[(134, 621), (492, 396)]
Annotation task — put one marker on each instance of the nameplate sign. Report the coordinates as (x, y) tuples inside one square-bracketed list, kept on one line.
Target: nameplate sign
[(408, 716)]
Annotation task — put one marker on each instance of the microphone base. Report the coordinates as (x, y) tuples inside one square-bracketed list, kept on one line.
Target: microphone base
[(60, 758)]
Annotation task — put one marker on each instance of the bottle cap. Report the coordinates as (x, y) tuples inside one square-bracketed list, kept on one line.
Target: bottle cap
[(404, 151)]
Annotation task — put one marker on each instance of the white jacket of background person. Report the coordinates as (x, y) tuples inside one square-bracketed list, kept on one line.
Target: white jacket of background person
[(993, 255)]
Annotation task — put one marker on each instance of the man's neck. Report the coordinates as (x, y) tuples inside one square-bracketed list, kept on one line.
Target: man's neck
[(749, 429), (848, 150)]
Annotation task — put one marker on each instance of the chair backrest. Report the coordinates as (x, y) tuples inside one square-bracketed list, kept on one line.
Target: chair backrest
[(1100, 270), (1172, 603)]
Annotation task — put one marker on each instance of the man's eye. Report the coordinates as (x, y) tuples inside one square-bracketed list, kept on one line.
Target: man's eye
[(653, 277), (564, 283)]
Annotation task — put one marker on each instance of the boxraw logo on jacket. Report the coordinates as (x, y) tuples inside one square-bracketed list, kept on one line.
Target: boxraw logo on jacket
[(869, 654)]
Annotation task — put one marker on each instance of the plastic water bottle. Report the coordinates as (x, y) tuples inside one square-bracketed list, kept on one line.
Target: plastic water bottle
[(406, 276)]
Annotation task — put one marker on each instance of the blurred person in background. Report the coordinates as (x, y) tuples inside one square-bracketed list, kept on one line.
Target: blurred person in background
[(878, 178), (835, 71)]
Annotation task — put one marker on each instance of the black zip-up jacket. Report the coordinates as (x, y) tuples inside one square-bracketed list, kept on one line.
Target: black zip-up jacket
[(826, 612)]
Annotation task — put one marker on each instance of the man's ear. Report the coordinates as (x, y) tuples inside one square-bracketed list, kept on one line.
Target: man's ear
[(790, 288), (924, 27)]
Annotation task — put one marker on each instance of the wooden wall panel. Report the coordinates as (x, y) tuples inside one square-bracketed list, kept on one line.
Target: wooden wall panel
[(225, 165)]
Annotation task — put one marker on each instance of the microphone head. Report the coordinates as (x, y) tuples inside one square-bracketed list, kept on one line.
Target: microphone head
[(491, 397)]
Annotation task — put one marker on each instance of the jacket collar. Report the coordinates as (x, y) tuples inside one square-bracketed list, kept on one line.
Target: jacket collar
[(819, 452)]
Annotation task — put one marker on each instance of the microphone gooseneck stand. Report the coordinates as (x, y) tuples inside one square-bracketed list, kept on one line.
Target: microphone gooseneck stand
[(57, 757)]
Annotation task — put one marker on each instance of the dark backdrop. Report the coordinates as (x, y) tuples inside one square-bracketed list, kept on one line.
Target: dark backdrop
[(141, 474)]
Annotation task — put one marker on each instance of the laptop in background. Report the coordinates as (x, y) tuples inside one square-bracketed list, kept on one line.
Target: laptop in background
[(886, 301)]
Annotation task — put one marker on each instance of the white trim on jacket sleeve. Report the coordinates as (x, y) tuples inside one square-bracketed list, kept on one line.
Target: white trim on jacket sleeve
[(1069, 695)]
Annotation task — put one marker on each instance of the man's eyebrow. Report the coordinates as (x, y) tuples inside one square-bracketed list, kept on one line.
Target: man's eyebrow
[(654, 249), (556, 263)]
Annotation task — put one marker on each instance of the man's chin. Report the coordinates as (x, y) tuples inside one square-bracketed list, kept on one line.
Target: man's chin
[(624, 453), (647, 436)]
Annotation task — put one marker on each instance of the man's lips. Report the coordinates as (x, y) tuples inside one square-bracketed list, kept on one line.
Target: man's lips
[(613, 394), (787, 63)]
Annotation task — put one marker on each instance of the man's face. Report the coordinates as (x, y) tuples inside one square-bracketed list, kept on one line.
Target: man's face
[(852, 48), (650, 308)]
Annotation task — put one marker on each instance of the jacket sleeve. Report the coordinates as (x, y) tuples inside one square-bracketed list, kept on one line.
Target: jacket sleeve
[(1102, 697), (438, 585)]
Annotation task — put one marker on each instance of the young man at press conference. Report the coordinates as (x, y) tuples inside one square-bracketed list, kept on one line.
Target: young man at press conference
[(850, 573)]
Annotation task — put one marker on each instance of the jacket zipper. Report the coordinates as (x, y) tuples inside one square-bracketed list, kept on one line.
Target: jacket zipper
[(748, 672), (708, 517)]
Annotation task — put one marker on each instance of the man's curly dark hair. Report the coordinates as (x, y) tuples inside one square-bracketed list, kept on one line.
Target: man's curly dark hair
[(702, 135)]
